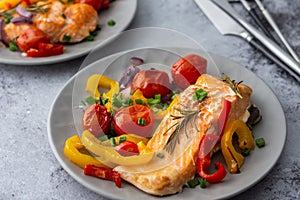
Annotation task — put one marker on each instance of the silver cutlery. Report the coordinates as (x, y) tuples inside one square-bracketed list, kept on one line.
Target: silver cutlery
[(225, 19), (271, 21)]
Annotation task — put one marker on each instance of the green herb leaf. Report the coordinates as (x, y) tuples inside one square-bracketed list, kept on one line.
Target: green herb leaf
[(111, 22), (160, 155), (199, 95), (7, 18), (12, 46), (233, 85), (90, 38), (203, 183), (193, 183), (260, 142), (103, 138), (67, 38)]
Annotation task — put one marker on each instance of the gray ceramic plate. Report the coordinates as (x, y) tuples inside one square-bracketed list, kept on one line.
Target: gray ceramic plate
[(121, 11), (272, 128)]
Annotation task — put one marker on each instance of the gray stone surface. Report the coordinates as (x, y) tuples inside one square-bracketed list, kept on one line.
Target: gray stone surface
[(29, 169)]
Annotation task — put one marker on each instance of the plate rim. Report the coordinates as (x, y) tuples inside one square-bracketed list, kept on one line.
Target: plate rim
[(111, 195)]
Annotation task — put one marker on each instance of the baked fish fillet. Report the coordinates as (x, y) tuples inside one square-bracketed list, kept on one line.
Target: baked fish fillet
[(167, 175)]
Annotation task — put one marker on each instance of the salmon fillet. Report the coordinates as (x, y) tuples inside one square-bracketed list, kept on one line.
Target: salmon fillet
[(167, 175), (76, 21)]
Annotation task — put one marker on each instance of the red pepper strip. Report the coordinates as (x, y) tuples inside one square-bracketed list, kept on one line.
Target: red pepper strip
[(101, 172), (224, 116), (127, 148), (204, 160), (45, 50)]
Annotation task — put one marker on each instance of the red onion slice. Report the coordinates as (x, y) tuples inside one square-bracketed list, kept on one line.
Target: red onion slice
[(135, 61), (21, 20), (23, 12), (3, 36)]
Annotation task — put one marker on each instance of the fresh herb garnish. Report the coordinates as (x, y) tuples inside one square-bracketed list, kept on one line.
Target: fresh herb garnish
[(7, 18), (182, 120), (13, 46), (233, 85), (141, 121), (90, 100), (160, 155), (199, 95), (67, 38), (111, 22), (260, 142), (90, 38)]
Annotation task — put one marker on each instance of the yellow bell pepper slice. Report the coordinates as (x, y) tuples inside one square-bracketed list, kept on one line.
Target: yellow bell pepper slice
[(109, 153), (7, 4), (129, 137), (143, 148), (98, 80), (72, 149), (138, 95), (235, 160)]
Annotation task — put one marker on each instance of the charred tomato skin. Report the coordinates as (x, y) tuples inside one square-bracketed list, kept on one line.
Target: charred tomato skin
[(186, 70), (125, 120), (97, 120), (151, 82)]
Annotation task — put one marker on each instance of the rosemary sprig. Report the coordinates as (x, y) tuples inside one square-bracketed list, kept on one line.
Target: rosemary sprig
[(31, 8), (233, 85), (184, 118)]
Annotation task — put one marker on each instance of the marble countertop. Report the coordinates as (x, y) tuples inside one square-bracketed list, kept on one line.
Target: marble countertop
[(29, 169)]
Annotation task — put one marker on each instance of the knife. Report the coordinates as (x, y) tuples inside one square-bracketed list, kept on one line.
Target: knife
[(227, 26), (294, 67)]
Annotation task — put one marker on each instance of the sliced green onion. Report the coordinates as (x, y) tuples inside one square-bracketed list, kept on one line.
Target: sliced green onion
[(103, 138), (7, 18), (90, 100), (139, 101), (122, 139), (116, 102), (152, 101), (260, 142), (111, 22), (160, 155), (157, 96), (193, 183), (246, 152), (200, 95), (130, 102), (113, 142), (13, 47), (90, 38), (66, 38), (203, 183), (174, 96), (104, 101), (142, 121), (94, 33)]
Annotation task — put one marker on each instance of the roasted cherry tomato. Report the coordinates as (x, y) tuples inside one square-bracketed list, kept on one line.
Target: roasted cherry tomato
[(97, 4), (186, 70), (136, 119), (96, 119), (127, 148), (31, 38), (151, 82)]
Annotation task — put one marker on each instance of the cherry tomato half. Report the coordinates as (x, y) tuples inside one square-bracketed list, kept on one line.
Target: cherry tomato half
[(127, 148), (31, 38), (151, 82), (136, 119), (96, 119), (187, 70)]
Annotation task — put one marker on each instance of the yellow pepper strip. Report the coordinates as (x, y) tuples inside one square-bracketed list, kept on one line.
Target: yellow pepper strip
[(235, 160), (71, 151), (109, 153), (143, 148), (138, 95), (129, 137), (7, 4), (98, 80)]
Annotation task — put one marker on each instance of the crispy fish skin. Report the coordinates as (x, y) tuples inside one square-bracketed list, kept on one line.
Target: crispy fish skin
[(161, 177)]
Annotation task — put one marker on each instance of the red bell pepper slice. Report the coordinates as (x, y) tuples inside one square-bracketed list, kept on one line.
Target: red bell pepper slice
[(204, 160), (45, 50), (103, 173), (224, 116), (127, 148)]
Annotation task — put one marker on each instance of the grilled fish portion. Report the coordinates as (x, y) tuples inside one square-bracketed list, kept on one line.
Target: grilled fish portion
[(167, 175), (75, 21)]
